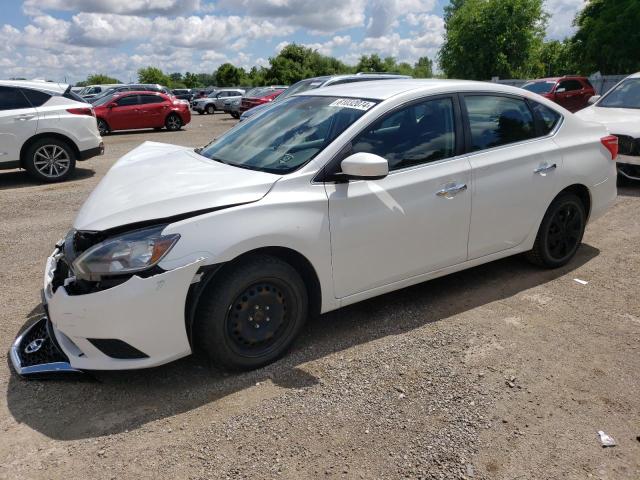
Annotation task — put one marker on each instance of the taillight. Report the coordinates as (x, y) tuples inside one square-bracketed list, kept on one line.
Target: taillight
[(611, 144), (82, 111)]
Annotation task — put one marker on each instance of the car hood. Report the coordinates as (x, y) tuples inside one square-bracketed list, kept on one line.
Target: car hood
[(156, 181), (623, 121)]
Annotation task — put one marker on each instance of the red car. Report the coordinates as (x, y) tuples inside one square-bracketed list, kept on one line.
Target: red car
[(132, 110), (259, 96), (571, 92)]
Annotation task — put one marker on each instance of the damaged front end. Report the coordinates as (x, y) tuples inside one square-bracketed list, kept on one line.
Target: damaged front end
[(98, 321), (628, 161)]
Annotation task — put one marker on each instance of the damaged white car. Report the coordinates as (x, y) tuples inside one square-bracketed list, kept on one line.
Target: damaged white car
[(329, 198)]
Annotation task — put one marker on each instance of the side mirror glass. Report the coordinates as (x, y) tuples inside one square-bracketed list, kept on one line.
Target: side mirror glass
[(365, 166), (594, 99), (561, 90)]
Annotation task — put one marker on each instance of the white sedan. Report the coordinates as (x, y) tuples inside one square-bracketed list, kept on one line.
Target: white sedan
[(330, 197), (619, 111)]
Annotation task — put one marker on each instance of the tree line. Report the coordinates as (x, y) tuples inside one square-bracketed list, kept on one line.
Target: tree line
[(483, 39)]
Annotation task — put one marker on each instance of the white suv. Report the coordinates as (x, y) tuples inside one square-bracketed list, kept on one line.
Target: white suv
[(45, 128)]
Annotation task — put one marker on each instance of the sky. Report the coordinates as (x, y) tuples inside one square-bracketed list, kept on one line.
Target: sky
[(66, 40)]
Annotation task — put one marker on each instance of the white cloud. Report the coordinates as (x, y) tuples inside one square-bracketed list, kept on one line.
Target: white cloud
[(326, 48), (129, 7), (384, 15), (319, 16), (562, 14)]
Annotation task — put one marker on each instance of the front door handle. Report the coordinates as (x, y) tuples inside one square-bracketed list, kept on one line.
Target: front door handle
[(26, 116), (452, 190), (545, 168)]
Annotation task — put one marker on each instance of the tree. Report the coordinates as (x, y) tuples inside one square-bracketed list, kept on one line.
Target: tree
[(153, 75), (295, 62), (98, 79), (556, 58), (608, 37), (229, 75), (486, 38), (371, 63), (191, 80), (423, 68)]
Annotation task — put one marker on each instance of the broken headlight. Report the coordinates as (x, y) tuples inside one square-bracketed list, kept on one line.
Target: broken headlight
[(124, 254)]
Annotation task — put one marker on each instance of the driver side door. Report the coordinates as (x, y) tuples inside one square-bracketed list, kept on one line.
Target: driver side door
[(126, 113), (416, 219)]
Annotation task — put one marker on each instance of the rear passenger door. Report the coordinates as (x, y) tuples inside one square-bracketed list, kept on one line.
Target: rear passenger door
[(569, 94), (18, 122), (153, 109), (514, 165)]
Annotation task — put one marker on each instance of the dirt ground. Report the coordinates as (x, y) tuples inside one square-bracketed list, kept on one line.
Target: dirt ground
[(504, 371)]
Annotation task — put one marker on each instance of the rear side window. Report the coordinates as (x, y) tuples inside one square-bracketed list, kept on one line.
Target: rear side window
[(570, 85), (417, 134), (496, 121), (548, 118), (11, 98), (151, 99), (35, 97), (130, 100)]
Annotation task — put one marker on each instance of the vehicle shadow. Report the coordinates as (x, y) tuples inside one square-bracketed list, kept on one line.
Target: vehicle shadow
[(629, 190), (114, 402), (19, 178)]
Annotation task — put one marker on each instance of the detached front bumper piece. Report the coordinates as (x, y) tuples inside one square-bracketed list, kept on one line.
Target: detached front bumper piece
[(35, 352)]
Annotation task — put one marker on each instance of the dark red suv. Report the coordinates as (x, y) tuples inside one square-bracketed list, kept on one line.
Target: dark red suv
[(260, 96), (132, 110), (571, 92)]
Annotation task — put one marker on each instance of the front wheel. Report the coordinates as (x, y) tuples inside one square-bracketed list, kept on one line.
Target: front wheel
[(211, 109), (235, 115), (250, 315), (560, 232), (173, 122)]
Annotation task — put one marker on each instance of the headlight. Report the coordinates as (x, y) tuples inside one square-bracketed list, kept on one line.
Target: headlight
[(128, 253)]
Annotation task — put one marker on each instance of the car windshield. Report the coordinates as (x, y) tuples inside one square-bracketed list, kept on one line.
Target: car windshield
[(625, 95), (301, 86), (288, 135), (539, 87)]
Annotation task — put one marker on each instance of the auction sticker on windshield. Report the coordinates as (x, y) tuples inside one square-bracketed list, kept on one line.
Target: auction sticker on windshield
[(352, 103)]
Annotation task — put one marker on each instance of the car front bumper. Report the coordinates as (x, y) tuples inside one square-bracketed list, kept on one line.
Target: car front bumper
[(628, 160), (139, 323)]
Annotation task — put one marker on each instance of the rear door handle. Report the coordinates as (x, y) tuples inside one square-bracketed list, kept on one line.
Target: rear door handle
[(451, 191), (545, 168)]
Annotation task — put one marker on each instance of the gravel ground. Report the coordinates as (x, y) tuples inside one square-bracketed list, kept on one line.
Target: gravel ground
[(500, 372)]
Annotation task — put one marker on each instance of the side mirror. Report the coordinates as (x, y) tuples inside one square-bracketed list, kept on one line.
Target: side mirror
[(364, 166), (561, 90), (594, 99)]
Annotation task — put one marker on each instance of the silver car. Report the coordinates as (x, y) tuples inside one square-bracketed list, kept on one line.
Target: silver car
[(215, 100)]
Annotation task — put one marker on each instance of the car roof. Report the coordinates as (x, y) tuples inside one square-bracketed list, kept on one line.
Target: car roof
[(36, 85), (138, 92), (634, 75), (384, 89)]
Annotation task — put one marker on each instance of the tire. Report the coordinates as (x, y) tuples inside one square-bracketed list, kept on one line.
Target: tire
[(235, 115), (103, 127), (211, 109), (173, 122), (50, 160), (236, 306), (200, 112), (560, 233)]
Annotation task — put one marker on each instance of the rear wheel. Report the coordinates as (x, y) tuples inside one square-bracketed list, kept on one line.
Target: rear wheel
[(249, 316), (173, 122), (50, 160), (560, 232), (235, 115)]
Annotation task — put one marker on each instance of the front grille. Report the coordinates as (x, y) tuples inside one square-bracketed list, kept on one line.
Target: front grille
[(48, 352), (628, 145)]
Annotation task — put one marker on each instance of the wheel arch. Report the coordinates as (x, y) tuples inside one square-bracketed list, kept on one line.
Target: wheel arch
[(40, 136), (294, 258), (582, 192)]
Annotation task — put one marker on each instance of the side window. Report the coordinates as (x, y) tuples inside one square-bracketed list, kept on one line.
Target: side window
[(548, 118), (151, 99), (129, 100), (420, 133), (496, 121), (569, 85), (12, 99), (35, 97)]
